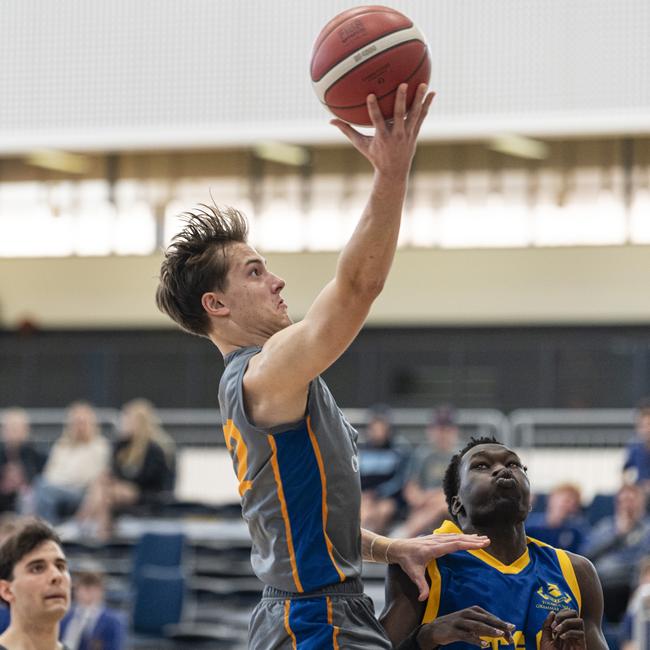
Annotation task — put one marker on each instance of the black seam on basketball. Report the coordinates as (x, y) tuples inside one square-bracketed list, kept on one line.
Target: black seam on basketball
[(395, 31), (419, 65)]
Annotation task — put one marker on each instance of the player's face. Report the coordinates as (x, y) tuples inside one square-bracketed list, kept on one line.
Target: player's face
[(40, 589), (253, 293), (494, 487)]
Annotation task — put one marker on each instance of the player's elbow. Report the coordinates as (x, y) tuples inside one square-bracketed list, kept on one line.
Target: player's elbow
[(366, 288)]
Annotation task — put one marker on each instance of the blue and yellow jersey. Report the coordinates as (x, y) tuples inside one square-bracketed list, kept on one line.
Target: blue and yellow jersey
[(522, 593)]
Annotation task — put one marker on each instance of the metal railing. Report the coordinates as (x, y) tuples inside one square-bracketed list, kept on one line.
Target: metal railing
[(523, 428), (571, 427)]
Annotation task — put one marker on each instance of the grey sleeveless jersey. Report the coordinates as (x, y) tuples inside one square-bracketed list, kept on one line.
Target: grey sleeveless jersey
[(299, 486)]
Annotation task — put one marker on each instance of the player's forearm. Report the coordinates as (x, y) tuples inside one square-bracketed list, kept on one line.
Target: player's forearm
[(365, 261), (375, 548)]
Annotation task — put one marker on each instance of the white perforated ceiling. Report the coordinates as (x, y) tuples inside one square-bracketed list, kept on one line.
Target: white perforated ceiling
[(99, 74)]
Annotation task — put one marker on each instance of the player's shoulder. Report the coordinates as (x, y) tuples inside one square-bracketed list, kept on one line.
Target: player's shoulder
[(583, 568)]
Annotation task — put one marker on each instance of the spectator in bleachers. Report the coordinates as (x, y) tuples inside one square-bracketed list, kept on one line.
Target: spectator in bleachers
[(642, 591), (423, 490), (20, 461), (382, 467), (9, 523), (636, 467), (77, 458), (142, 470), (90, 624), (615, 546), (562, 524)]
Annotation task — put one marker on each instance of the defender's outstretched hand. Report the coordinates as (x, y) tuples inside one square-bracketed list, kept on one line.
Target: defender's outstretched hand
[(414, 554), (390, 150)]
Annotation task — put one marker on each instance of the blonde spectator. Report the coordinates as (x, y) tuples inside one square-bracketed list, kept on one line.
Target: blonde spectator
[(77, 459), (20, 462), (142, 469)]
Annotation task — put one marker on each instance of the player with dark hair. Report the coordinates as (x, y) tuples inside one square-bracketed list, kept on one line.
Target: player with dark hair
[(519, 592), (294, 453), (35, 583)]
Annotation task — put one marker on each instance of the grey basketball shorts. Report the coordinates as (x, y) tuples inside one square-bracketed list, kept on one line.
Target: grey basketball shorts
[(338, 617)]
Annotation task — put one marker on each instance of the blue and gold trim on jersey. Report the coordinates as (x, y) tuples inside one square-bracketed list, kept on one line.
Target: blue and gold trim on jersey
[(301, 484), (516, 567)]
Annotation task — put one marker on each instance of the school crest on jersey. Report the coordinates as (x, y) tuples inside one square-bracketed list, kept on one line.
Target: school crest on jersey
[(552, 597)]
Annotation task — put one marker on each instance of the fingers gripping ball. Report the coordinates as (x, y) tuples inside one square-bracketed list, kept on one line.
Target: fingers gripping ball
[(366, 50)]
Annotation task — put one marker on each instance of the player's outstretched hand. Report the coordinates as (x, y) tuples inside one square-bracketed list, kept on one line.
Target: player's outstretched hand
[(414, 554), (564, 630), (472, 625), (390, 150)]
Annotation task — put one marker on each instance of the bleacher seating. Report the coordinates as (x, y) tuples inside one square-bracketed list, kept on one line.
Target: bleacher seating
[(601, 506)]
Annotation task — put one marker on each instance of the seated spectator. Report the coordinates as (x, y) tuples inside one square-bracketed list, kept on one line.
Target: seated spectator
[(616, 545), (142, 470), (562, 524), (77, 458), (9, 524), (636, 467), (89, 623), (382, 467), (642, 593), (20, 462), (423, 491)]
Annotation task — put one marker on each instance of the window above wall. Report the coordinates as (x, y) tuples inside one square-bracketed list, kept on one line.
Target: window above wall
[(593, 193)]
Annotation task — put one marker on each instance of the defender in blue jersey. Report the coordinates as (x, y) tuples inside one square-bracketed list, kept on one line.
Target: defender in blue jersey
[(517, 593)]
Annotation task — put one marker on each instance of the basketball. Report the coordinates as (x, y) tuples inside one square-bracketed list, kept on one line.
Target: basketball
[(364, 50)]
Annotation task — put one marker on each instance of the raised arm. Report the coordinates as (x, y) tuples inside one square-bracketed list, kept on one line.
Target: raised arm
[(302, 351)]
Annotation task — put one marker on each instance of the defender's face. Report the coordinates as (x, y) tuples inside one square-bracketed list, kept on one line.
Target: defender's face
[(493, 486), (253, 293), (40, 589)]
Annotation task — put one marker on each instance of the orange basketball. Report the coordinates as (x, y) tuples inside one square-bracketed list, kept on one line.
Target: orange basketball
[(368, 50)]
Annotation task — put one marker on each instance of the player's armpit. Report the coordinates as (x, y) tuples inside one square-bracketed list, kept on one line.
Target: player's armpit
[(592, 601)]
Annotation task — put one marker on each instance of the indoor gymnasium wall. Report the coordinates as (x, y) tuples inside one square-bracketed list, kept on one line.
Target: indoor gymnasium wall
[(585, 285)]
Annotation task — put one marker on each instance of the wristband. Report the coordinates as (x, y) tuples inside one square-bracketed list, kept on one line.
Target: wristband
[(374, 539), (386, 550)]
